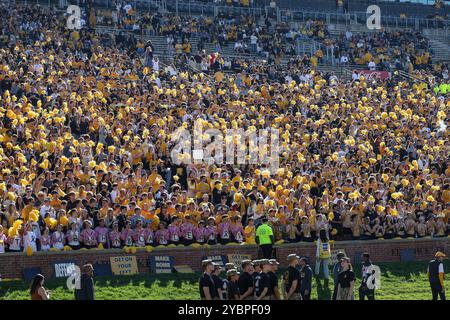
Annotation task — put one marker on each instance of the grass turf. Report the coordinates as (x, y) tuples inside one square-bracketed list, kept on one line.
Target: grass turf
[(400, 281)]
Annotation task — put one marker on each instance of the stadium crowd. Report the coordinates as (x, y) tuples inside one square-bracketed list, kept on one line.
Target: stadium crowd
[(388, 50), (85, 157)]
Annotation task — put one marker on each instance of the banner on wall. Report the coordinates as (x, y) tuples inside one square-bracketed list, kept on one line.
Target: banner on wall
[(161, 264), (221, 260), (374, 74), (237, 258), (63, 269), (126, 265)]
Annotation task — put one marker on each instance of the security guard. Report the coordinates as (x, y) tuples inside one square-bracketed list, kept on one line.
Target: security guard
[(273, 280), (292, 279), (265, 239), (262, 282), (436, 276), (207, 288)]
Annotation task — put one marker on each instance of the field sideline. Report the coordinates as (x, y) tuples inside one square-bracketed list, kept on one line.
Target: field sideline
[(400, 281)]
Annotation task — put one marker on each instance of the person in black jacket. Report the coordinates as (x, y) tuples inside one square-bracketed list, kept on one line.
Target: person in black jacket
[(86, 291), (435, 273), (306, 274)]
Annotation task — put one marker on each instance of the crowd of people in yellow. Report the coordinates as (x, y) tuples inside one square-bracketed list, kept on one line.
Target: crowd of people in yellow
[(85, 144)]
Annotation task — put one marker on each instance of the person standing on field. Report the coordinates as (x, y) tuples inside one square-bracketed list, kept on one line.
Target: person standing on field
[(436, 276), (306, 275), (274, 280), (323, 254), (364, 290), (336, 270), (262, 282), (292, 279), (346, 281), (245, 282), (265, 238), (206, 284)]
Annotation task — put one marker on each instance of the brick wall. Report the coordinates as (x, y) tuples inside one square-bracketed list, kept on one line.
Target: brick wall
[(12, 264)]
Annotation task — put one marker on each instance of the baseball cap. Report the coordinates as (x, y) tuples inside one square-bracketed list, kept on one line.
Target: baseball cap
[(440, 254), (292, 257), (340, 254), (217, 266), (232, 272), (273, 261), (264, 262), (230, 266), (256, 262)]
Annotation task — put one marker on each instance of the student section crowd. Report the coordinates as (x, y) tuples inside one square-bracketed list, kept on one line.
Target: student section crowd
[(85, 145)]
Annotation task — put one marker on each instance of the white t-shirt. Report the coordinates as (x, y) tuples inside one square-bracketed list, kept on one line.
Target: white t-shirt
[(29, 240)]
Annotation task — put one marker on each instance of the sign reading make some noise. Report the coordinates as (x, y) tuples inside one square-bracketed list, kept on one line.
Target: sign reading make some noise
[(64, 269), (124, 265), (161, 264)]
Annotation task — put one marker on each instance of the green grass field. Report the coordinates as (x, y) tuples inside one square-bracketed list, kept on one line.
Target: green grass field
[(400, 281)]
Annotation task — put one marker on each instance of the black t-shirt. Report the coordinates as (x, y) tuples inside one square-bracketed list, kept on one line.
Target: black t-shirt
[(245, 281), (345, 277), (273, 282), (290, 276), (262, 281), (207, 281), (217, 283), (233, 290)]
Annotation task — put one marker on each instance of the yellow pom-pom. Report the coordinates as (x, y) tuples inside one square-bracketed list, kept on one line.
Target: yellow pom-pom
[(100, 246), (149, 248), (67, 248), (430, 199), (29, 251)]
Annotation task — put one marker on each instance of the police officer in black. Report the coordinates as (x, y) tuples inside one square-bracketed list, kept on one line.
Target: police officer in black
[(262, 282), (273, 280), (364, 290), (436, 276), (292, 279), (245, 282), (306, 275), (207, 288)]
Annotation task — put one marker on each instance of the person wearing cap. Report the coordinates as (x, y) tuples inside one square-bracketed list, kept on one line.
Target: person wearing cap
[(265, 239), (262, 282), (86, 290), (364, 290), (336, 270), (292, 279), (219, 283), (346, 281), (245, 282), (273, 280), (435, 273), (229, 266), (233, 289), (206, 284), (306, 275)]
